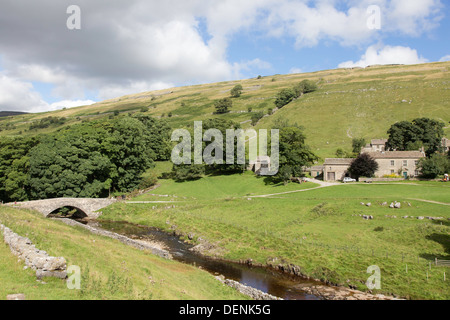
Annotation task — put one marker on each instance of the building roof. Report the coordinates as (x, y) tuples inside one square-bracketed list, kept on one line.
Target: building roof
[(397, 155), (338, 161), (378, 142)]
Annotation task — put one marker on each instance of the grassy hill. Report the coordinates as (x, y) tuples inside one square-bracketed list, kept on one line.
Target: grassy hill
[(349, 103)]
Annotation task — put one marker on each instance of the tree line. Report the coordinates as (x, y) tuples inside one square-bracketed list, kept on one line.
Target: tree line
[(85, 160)]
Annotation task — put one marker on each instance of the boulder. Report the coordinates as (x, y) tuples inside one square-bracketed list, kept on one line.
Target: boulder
[(19, 296)]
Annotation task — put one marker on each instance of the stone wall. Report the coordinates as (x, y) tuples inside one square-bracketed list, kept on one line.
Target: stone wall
[(246, 290), (38, 260)]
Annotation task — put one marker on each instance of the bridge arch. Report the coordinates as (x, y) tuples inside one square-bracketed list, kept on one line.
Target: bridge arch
[(90, 207), (69, 212)]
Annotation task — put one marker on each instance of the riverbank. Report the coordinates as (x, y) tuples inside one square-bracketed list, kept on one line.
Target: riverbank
[(110, 270)]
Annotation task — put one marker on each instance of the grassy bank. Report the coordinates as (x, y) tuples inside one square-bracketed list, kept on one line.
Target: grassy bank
[(320, 230), (110, 270)]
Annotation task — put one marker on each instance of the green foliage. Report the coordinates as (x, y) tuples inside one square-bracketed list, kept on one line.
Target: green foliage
[(363, 166), (294, 153), (188, 172), (223, 105), (223, 125), (47, 122), (285, 97), (436, 165), (14, 168), (358, 144), (94, 159), (304, 87), (144, 109), (256, 117), (340, 153), (407, 136), (236, 92)]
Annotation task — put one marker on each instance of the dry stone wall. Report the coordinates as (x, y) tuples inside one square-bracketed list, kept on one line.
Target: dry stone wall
[(38, 260)]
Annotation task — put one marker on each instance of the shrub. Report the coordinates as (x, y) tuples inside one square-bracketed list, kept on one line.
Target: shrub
[(285, 97), (236, 91), (256, 117), (223, 106)]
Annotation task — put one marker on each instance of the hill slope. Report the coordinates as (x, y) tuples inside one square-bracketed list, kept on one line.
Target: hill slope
[(350, 103)]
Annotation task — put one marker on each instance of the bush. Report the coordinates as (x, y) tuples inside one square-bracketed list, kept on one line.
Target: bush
[(304, 87), (223, 106), (256, 117), (363, 166), (236, 91), (285, 97), (148, 181)]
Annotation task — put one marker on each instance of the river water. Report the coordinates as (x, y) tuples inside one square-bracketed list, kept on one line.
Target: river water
[(265, 279)]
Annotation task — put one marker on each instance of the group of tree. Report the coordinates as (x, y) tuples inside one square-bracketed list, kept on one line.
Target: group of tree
[(185, 172), (421, 132), (85, 160), (287, 95)]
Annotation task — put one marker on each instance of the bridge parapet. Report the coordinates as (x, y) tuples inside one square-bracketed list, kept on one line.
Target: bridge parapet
[(86, 205)]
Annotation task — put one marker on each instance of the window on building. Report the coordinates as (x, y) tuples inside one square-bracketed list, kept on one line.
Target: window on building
[(392, 172), (405, 163), (392, 163)]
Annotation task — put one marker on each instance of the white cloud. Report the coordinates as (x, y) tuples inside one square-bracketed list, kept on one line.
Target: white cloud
[(131, 46), (376, 55), (257, 64), (295, 70), (445, 58), (16, 95)]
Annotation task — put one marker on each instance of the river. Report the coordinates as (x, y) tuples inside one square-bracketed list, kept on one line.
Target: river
[(270, 281)]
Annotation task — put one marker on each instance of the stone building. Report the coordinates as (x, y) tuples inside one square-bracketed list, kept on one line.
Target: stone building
[(376, 145), (446, 144), (402, 163), (262, 162), (335, 169)]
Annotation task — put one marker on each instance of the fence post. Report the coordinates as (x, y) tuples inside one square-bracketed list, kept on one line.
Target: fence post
[(436, 262)]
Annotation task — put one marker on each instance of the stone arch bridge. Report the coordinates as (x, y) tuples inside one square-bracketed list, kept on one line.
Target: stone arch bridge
[(88, 206)]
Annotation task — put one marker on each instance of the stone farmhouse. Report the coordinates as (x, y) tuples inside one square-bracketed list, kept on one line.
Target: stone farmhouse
[(376, 145), (400, 163)]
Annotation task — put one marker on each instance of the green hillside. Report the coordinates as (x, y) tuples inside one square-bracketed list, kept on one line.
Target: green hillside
[(349, 103)]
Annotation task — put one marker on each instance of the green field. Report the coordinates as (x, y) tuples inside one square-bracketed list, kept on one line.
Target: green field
[(317, 229), (110, 270), (350, 103)]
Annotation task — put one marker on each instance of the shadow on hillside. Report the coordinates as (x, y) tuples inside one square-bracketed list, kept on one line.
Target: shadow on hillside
[(443, 240)]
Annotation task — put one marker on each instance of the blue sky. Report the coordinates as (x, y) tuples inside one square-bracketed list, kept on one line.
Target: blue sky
[(125, 47)]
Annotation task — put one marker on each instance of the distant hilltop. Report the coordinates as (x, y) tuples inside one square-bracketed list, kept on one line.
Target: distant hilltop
[(11, 113)]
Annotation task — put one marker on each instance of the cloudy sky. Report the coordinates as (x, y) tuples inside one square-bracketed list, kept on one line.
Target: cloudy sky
[(131, 46)]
